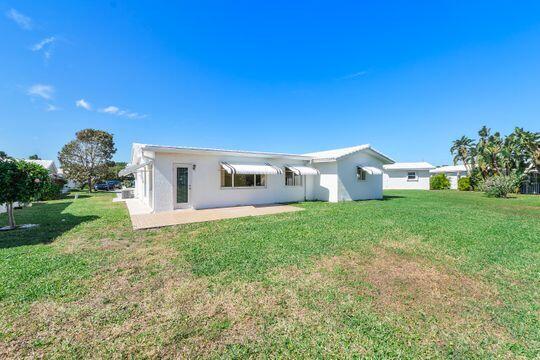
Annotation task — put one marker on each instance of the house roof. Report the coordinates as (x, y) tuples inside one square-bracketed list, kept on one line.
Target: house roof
[(197, 150), (448, 169), (330, 155), (336, 154), (47, 164), (409, 166)]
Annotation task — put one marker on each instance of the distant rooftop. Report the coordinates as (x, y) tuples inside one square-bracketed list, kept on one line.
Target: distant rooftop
[(409, 166), (449, 168)]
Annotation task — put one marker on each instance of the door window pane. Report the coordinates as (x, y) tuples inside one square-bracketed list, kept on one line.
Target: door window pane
[(181, 185)]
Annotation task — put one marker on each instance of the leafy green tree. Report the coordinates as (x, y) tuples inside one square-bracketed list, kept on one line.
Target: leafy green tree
[(21, 182), (34, 157), (86, 159), (113, 170), (494, 155)]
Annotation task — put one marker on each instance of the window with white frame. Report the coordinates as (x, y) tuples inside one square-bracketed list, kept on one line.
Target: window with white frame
[(361, 174), (292, 179), (411, 176), (242, 180)]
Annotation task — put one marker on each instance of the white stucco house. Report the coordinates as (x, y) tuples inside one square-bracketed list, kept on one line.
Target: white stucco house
[(175, 177), (47, 164), (407, 175), (70, 184), (452, 172)]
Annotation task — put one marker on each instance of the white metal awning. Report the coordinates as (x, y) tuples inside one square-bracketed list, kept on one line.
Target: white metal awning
[(130, 169), (251, 169), (371, 170), (303, 170)]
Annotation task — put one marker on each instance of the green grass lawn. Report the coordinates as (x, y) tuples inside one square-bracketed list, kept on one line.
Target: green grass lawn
[(418, 274)]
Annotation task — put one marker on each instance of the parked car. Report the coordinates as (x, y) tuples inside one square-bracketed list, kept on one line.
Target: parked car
[(115, 184), (108, 185)]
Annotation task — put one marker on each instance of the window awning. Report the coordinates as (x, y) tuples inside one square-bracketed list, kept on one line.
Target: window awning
[(251, 169), (371, 170), (130, 169), (303, 170)]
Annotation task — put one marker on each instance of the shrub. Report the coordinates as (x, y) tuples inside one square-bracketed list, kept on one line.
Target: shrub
[(475, 179), (52, 189), (464, 184), (500, 186), (439, 182)]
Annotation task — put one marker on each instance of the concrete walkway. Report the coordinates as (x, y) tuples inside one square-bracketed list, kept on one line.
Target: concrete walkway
[(141, 220)]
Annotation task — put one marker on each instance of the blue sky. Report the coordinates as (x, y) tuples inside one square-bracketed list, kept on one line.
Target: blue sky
[(407, 77)]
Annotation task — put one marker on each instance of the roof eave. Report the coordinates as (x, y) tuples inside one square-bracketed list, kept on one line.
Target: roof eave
[(201, 151)]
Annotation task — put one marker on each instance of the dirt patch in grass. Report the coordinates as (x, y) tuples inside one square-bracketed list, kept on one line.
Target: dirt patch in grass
[(445, 303)]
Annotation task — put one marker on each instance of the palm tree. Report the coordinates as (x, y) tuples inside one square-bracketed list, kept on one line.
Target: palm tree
[(482, 159), (462, 151)]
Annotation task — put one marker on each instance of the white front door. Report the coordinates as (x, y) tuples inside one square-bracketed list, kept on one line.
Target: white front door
[(182, 186)]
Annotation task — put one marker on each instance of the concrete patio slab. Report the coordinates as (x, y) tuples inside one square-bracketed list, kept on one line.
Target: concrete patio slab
[(147, 221)]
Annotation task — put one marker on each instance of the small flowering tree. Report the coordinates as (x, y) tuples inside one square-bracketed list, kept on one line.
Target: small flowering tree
[(21, 182)]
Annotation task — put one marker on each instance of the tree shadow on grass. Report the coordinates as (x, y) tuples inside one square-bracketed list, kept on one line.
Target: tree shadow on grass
[(50, 217)]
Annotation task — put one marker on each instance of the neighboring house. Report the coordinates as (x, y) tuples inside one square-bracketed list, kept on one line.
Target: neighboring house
[(70, 184), (407, 175), (47, 164), (170, 177), (452, 172)]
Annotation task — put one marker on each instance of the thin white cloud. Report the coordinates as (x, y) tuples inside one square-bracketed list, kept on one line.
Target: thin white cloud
[(115, 110), (44, 91), (40, 45), (83, 104), (22, 20), (45, 46), (51, 107), (111, 110), (354, 75)]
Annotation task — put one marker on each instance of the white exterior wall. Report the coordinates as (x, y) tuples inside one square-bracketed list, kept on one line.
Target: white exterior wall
[(325, 187), (349, 187), (205, 180), (453, 177), (397, 179)]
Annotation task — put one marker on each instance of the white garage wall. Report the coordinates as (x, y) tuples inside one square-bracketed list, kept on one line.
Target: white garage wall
[(325, 187), (397, 179), (349, 187), (206, 189)]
